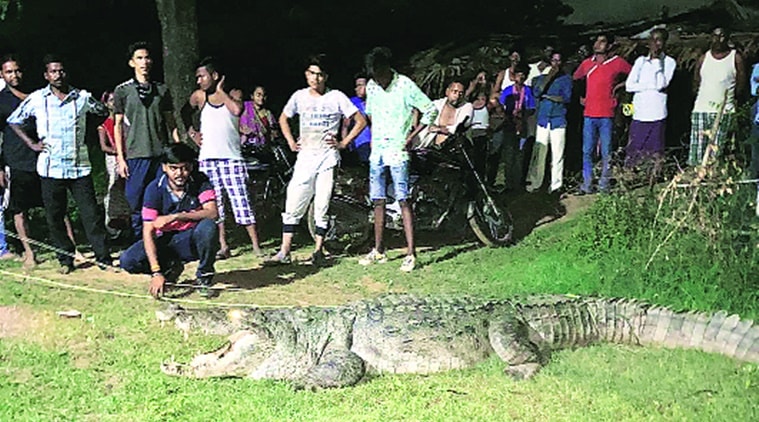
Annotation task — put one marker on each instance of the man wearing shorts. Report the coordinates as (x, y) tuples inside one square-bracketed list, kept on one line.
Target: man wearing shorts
[(391, 98), (321, 111), (220, 155)]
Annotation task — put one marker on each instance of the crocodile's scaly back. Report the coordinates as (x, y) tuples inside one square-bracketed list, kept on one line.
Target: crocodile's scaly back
[(564, 322), (333, 346)]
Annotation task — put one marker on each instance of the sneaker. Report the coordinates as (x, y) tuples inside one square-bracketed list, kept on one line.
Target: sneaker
[(279, 259), (66, 269), (318, 259), (204, 284), (409, 263), (373, 257)]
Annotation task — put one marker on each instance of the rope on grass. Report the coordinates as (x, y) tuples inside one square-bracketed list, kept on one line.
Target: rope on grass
[(68, 286), (738, 182)]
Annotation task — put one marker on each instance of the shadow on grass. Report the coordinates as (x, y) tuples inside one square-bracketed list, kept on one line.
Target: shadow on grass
[(255, 278), (531, 210)]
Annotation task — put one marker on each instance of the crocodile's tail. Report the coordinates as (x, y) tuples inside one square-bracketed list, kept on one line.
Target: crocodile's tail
[(565, 322)]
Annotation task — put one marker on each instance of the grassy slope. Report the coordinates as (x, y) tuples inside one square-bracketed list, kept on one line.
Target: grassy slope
[(105, 366)]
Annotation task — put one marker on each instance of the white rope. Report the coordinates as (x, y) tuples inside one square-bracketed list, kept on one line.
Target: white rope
[(45, 281)]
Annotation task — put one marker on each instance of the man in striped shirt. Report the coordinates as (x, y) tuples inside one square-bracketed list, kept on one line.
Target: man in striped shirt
[(64, 164)]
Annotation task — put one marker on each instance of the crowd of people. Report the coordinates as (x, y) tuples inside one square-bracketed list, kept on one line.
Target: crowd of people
[(169, 195)]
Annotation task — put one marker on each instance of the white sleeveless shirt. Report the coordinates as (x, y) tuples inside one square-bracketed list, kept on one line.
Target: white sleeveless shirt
[(717, 76), (221, 136)]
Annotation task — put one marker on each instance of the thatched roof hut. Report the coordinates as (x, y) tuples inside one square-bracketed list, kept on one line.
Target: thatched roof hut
[(689, 38)]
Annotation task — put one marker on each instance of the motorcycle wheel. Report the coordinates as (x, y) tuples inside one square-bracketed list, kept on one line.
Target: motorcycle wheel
[(349, 226), (490, 223)]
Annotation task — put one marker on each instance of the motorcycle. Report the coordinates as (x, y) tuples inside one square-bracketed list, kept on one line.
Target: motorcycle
[(447, 193), (270, 167)]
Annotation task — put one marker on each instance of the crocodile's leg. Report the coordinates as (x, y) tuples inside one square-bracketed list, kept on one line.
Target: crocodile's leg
[(517, 345), (335, 369)]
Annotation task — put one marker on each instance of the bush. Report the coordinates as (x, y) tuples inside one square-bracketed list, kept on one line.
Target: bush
[(695, 241)]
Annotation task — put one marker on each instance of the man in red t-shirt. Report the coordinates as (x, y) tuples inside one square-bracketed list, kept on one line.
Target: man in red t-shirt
[(603, 71)]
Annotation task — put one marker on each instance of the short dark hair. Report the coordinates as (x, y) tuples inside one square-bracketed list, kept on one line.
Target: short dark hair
[(319, 59), (210, 63), (377, 58), (661, 31), (51, 58), (608, 35), (104, 95), (10, 57), (455, 80), (137, 45), (178, 153), (360, 75), (522, 67)]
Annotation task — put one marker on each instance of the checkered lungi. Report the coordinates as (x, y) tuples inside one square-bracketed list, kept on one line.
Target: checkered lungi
[(232, 176), (701, 122)]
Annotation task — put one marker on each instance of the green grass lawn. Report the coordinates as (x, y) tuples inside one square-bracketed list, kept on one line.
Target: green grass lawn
[(105, 366)]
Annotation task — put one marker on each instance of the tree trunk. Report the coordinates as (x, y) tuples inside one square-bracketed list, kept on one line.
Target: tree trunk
[(179, 32)]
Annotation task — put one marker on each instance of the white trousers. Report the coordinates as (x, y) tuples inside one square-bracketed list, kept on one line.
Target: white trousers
[(312, 178), (543, 137)]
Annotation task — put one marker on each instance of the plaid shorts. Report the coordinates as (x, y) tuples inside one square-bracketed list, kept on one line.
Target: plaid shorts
[(232, 176), (700, 122)]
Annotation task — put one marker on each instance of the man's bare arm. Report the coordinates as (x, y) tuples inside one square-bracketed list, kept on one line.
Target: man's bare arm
[(284, 125), (34, 146), (359, 125)]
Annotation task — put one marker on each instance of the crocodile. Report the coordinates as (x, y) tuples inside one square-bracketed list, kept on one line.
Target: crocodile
[(331, 347)]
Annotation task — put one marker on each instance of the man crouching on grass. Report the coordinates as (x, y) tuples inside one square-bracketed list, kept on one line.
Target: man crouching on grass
[(179, 224)]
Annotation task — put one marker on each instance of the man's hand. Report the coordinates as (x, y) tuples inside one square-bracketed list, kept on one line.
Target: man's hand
[(156, 285), (294, 146), (3, 179), (162, 220), (220, 85), (331, 140), (37, 146), (196, 136), (121, 167)]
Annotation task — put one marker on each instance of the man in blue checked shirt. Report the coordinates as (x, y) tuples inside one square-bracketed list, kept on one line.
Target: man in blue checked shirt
[(64, 165)]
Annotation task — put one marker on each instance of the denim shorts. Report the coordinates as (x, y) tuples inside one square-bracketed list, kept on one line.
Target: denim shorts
[(378, 180)]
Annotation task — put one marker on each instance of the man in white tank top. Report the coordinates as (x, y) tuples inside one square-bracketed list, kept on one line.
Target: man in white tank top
[(719, 76), (220, 157)]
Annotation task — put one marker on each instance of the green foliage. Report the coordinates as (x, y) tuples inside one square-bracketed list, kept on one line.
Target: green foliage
[(697, 240)]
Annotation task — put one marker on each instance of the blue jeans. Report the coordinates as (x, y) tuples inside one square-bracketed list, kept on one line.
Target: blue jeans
[(198, 243), (142, 171), (594, 129), (378, 179), (3, 243)]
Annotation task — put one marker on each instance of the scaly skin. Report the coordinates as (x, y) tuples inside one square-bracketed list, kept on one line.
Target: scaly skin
[(336, 346)]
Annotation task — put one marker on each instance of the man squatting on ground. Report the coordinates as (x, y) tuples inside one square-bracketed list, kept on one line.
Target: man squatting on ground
[(220, 151), (64, 163), (321, 111), (146, 105), (179, 224), (391, 98)]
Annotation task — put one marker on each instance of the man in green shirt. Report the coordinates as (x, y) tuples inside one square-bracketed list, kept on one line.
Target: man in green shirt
[(390, 101)]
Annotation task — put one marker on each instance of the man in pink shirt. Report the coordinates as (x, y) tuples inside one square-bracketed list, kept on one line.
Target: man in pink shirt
[(604, 73)]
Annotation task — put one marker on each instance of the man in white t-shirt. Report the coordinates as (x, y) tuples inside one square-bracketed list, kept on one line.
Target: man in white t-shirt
[(320, 112)]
